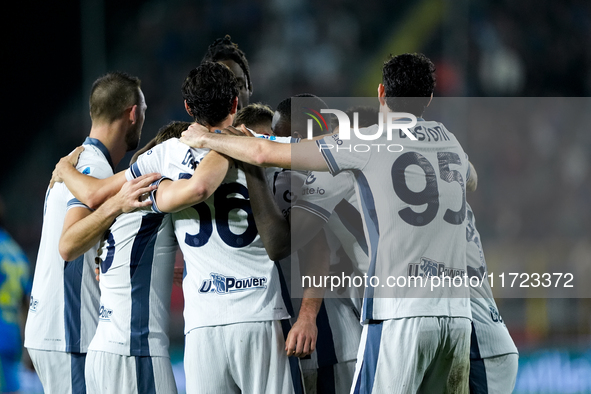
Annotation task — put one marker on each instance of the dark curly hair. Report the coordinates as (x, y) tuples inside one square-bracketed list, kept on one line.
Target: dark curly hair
[(409, 80), (298, 121), (210, 90), (367, 116), (225, 49)]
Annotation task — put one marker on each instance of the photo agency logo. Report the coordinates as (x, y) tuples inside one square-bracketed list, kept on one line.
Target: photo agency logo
[(400, 122)]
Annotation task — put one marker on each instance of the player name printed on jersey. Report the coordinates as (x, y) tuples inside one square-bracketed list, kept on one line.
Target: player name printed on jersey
[(64, 300), (413, 205), (229, 276)]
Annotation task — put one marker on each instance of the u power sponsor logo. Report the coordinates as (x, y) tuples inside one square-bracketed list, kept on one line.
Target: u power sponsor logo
[(221, 284), (105, 313), (430, 268)]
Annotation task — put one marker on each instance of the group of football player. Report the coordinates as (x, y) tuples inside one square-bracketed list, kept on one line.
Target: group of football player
[(255, 204)]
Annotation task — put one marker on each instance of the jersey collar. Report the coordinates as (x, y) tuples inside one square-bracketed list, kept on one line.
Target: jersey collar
[(102, 148)]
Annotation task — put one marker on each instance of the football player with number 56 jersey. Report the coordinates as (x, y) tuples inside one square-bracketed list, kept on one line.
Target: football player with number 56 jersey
[(233, 302)]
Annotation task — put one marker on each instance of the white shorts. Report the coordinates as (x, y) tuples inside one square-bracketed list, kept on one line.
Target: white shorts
[(240, 358), (414, 355), (59, 372), (493, 375), (109, 373), (332, 379)]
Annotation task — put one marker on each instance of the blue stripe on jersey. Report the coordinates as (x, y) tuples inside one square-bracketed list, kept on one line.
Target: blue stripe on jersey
[(325, 343), (373, 230), (140, 271), (315, 209), (478, 383), (135, 170), (72, 291), (474, 348), (351, 219), (153, 194), (144, 374), (76, 202), (366, 377), (325, 383), (77, 363), (284, 290), (294, 363), (330, 161), (102, 148)]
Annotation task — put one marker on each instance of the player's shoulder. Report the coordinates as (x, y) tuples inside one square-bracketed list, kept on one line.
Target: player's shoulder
[(93, 162), (173, 146)]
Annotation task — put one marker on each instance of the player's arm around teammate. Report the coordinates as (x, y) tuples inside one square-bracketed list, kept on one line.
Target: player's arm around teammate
[(258, 151), (91, 191), (174, 196), (84, 228)]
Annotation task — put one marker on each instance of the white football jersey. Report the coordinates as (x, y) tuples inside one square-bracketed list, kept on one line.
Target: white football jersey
[(64, 303), (493, 338), (136, 282), (229, 276), (413, 206), (338, 325), (324, 194)]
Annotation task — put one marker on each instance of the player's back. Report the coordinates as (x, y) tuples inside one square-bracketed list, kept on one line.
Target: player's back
[(413, 203), (136, 283), (64, 304), (229, 276)]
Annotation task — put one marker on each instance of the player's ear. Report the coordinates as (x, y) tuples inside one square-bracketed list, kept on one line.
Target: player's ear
[(382, 94), (431, 99), (234, 106), (133, 114), (188, 110)]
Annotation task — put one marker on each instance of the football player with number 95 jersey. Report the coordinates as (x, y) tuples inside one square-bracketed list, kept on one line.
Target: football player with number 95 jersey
[(412, 194)]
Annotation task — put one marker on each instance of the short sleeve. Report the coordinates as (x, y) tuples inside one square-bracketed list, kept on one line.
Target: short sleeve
[(148, 162), (343, 155), (322, 192)]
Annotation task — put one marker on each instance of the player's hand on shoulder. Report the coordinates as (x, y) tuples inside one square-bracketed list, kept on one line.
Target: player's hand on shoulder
[(67, 161), (245, 131), (135, 193), (301, 340), (193, 135)]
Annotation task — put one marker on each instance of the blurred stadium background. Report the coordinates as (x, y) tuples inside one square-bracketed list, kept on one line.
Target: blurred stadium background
[(532, 204)]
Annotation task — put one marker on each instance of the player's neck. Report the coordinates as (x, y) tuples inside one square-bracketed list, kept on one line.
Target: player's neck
[(112, 136), (223, 124)]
